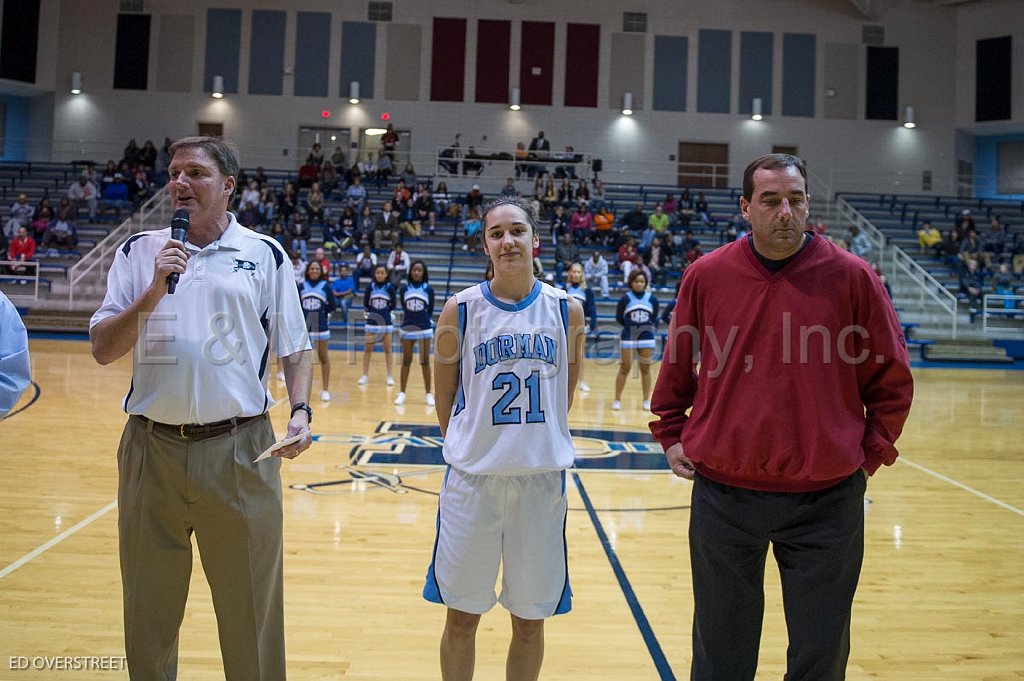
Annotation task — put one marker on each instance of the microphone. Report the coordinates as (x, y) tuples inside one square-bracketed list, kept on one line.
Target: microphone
[(179, 230)]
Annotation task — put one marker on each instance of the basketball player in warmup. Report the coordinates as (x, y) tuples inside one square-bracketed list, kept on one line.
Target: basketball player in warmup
[(506, 366)]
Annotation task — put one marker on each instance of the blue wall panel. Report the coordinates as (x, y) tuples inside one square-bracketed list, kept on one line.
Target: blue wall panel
[(312, 53), (714, 71), (670, 55), (798, 61), (223, 43), (358, 56), (756, 70), (17, 127), (266, 52)]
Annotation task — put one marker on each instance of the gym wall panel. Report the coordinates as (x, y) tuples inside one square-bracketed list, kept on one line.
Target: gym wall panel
[(131, 52), (756, 61), (266, 52), (670, 64), (176, 39), (536, 62), (312, 53), (448, 61), (627, 69), (993, 79), (714, 71), (19, 40), (883, 83), (493, 59), (799, 55), (842, 80), (402, 65), (358, 57), (582, 52), (223, 43)]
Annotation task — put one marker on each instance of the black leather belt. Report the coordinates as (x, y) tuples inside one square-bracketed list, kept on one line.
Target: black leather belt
[(201, 431)]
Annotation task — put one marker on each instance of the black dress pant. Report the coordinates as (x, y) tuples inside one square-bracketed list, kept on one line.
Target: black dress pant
[(818, 542)]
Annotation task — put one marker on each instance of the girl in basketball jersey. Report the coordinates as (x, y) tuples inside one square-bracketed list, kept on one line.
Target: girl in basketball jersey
[(637, 312), (317, 304), (505, 369), (417, 299), (378, 306), (576, 287)]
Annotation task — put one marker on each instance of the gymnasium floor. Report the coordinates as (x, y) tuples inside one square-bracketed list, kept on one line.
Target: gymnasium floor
[(941, 596)]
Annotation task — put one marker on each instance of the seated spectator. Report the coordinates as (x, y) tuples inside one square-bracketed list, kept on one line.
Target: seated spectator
[(658, 220), (604, 225), (567, 194), (287, 204), (343, 287), (42, 219), (928, 238), (425, 208), (251, 194), (21, 215), (368, 167), (298, 267), (383, 170), (115, 195), (249, 215), (992, 245), (736, 226), (860, 244), (596, 201), (386, 229), (964, 224), (398, 265), (659, 261), (408, 219), (1004, 285), (366, 263), (580, 225), (566, 253), (60, 234), (315, 206), (140, 187), (474, 199), (629, 258), (567, 168), (278, 234), (510, 188), (595, 270), (401, 194), (349, 221), (549, 196), (694, 253), (582, 191), (409, 175), (320, 257), (366, 224), (635, 220), (267, 205), (21, 249), (972, 284), (83, 194), (949, 250), (300, 232), (702, 211), (443, 204), (328, 178), (559, 223), (338, 158), (316, 155), (471, 229), (970, 247), (355, 195), (147, 157), (671, 208), (684, 209), (522, 166), (337, 239)]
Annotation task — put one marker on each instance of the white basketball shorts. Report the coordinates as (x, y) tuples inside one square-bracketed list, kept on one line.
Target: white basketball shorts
[(517, 521)]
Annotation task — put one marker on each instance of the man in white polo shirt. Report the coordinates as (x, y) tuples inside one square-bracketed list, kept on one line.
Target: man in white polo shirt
[(197, 405)]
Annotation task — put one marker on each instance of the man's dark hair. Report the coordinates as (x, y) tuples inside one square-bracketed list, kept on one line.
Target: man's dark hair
[(771, 162), (223, 154)]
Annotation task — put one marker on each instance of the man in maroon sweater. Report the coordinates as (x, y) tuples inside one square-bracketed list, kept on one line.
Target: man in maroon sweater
[(803, 389)]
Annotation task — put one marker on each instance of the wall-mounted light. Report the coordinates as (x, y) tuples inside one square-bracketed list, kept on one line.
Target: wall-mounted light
[(353, 92), (514, 100), (627, 103), (756, 110), (218, 87), (76, 82), (908, 117)]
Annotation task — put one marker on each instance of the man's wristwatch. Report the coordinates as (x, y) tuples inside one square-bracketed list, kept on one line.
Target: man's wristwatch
[(304, 407)]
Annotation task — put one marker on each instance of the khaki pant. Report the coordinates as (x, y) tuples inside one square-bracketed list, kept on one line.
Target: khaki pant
[(170, 488)]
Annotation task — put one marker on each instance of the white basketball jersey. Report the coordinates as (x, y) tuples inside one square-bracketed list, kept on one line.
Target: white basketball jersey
[(511, 411)]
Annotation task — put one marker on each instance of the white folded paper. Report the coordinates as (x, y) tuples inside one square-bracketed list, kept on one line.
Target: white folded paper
[(276, 446)]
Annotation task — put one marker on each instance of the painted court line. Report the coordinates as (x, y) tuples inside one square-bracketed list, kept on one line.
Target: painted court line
[(56, 540), (951, 481), (657, 655)]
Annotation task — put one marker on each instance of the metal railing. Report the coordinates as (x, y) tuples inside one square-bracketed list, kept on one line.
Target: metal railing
[(896, 260), (1002, 310), (156, 211), (33, 279), (450, 161)]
